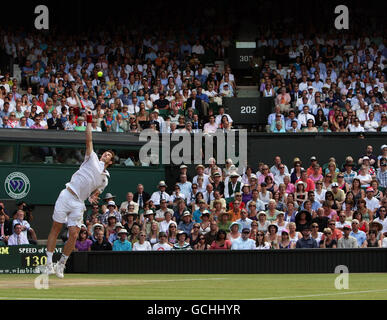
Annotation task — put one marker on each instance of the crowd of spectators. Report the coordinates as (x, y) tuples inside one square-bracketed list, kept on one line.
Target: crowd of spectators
[(303, 205), (325, 82), (131, 82), (15, 227), (320, 83)]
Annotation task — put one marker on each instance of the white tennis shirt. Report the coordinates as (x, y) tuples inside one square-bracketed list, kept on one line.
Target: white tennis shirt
[(90, 177)]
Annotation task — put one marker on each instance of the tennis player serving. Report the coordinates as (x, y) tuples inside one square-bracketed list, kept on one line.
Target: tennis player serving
[(87, 183)]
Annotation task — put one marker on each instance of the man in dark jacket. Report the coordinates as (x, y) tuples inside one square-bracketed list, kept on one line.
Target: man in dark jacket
[(195, 103), (101, 244), (141, 197), (55, 123), (5, 229), (306, 242)]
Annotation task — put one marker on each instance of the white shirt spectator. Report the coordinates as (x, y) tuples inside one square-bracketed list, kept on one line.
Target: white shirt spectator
[(383, 222), (210, 128), (164, 225), (304, 117), (146, 246), (162, 247), (205, 180), (156, 197), (198, 49), (218, 118), (372, 203), (354, 128), (13, 239)]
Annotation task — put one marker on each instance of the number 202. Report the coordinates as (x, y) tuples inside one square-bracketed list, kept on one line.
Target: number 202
[(248, 109)]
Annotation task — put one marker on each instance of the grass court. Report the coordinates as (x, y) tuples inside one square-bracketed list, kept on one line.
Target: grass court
[(365, 286)]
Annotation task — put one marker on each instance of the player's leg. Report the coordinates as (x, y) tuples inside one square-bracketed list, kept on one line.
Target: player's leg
[(59, 218), (51, 244), (68, 248), (74, 222)]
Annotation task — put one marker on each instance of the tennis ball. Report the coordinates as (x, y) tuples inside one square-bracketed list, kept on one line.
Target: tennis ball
[(100, 74)]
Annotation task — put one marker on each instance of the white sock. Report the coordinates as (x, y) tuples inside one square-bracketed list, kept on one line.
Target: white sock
[(63, 259), (49, 257)]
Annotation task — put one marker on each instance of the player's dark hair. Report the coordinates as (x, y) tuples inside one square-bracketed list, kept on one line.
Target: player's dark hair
[(113, 155)]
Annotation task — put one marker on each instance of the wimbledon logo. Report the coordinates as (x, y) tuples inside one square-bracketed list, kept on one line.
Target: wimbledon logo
[(17, 185)]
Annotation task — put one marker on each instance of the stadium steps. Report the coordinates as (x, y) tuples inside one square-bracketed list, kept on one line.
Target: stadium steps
[(248, 92), (17, 72)]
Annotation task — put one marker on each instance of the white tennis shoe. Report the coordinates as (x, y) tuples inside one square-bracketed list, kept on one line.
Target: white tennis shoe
[(49, 269), (59, 270)]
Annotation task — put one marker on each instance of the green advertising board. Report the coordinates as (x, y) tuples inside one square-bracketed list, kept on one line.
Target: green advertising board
[(24, 259)]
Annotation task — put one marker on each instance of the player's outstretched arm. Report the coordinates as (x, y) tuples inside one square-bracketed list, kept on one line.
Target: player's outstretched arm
[(89, 135)]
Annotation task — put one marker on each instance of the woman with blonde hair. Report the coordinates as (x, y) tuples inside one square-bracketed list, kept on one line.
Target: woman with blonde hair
[(153, 234), (293, 234), (328, 241), (332, 170)]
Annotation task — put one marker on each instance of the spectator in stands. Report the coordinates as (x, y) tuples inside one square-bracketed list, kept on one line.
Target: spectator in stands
[(306, 242), (142, 244), (244, 242), (186, 224), (328, 242), (83, 243), (101, 244), (17, 237), (181, 243), (359, 235), (5, 229), (162, 245), (122, 244), (27, 231), (347, 241)]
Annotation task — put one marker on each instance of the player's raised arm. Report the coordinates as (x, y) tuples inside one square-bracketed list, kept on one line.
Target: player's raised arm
[(89, 136)]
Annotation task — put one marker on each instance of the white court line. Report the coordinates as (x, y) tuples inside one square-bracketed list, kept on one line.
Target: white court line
[(320, 295)]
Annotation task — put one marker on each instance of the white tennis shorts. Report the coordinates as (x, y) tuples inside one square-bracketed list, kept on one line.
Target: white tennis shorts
[(69, 209)]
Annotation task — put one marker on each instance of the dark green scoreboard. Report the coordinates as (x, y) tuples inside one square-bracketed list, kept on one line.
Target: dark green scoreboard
[(249, 110), (25, 258)]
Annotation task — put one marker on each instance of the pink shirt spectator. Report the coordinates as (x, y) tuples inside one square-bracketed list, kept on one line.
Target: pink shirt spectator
[(262, 178), (314, 179), (290, 188)]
